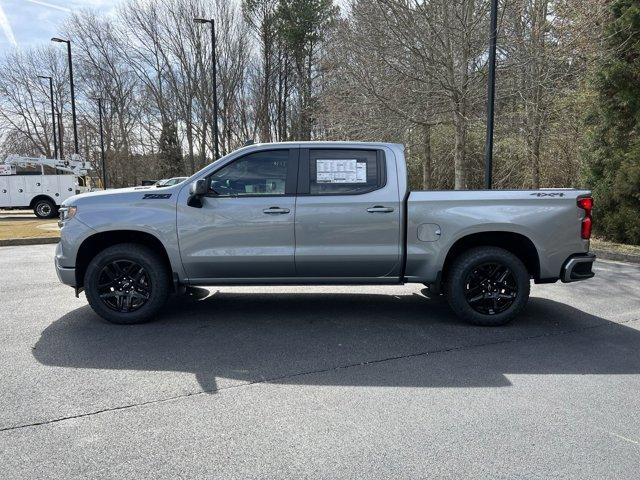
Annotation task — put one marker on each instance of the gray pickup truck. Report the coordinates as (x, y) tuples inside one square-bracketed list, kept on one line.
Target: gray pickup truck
[(309, 213)]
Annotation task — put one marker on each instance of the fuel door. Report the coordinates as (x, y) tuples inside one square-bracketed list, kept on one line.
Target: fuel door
[(429, 232)]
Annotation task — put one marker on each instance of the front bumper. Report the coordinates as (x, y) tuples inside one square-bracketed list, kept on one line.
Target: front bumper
[(578, 267), (65, 274)]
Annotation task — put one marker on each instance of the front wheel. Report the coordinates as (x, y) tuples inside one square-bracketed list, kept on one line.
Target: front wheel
[(127, 283), (487, 286)]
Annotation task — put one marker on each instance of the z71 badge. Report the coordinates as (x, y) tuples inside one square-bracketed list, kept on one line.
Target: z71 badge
[(551, 194), (156, 196)]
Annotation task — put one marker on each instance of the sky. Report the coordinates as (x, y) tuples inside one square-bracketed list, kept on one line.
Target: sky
[(29, 22), (25, 23)]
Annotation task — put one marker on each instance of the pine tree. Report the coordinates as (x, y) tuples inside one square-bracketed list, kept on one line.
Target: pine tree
[(170, 155), (302, 26), (613, 161)]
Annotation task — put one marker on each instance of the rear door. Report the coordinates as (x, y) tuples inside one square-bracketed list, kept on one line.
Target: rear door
[(245, 228), (347, 214)]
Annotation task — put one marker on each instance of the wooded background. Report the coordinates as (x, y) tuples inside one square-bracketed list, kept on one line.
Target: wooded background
[(406, 71)]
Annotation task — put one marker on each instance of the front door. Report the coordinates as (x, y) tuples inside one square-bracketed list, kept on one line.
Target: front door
[(347, 215), (245, 228)]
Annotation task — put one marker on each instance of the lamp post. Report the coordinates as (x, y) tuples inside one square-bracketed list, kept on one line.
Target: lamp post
[(73, 96), (53, 115), (491, 97), (215, 82)]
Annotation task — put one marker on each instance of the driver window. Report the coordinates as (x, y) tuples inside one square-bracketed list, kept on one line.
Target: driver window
[(260, 173)]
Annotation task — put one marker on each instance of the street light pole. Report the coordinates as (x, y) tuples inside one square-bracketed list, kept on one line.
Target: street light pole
[(491, 97), (214, 82), (73, 96), (104, 168), (53, 116)]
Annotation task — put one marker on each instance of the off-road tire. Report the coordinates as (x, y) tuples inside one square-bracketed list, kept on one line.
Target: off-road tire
[(463, 266)]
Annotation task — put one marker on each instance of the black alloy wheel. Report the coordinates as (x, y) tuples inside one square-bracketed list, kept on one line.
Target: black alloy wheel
[(491, 288), (487, 286), (127, 283), (124, 286)]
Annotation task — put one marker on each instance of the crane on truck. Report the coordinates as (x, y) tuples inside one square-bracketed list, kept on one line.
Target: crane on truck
[(40, 183)]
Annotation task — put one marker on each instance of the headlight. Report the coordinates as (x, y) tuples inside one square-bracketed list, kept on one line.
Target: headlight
[(67, 213)]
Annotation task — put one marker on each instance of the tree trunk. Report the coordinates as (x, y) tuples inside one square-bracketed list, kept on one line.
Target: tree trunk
[(459, 161), (60, 136), (535, 161), (203, 143), (284, 135), (264, 120), (279, 136), (192, 163), (427, 170)]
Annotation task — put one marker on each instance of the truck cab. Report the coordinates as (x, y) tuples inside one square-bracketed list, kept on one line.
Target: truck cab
[(296, 214)]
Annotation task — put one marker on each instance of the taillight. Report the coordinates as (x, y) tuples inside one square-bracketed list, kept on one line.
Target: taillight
[(586, 204)]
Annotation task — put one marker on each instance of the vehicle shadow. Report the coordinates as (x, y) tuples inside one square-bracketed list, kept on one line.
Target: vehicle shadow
[(309, 338)]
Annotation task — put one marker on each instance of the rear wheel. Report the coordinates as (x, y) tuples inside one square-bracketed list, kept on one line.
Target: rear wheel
[(127, 284), (45, 208), (487, 286)]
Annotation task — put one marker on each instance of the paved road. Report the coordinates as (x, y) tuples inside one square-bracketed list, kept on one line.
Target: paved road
[(318, 383)]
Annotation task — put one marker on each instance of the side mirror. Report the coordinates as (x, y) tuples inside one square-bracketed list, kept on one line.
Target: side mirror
[(197, 190)]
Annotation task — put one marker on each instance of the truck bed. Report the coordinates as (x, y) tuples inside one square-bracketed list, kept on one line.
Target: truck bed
[(436, 220)]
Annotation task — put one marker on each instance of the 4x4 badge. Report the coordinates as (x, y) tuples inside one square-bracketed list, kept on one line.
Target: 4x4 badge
[(551, 194)]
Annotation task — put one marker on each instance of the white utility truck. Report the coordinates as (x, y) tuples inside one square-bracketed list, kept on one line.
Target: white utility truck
[(41, 184)]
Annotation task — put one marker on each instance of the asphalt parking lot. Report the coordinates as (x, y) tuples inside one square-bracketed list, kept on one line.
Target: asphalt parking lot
[(318, 382)]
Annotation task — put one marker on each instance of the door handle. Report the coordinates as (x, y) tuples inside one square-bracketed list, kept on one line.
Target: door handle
[(380, 209), (275, 210)]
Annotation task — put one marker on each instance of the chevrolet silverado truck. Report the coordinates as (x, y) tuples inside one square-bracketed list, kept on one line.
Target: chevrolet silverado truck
[(309, 213)]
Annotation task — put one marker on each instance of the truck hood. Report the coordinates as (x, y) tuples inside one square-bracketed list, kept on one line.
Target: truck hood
[(118, 195), (139, 208)]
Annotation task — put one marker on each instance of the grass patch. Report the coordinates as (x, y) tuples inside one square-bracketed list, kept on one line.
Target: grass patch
[(599, 244), (11, 228)]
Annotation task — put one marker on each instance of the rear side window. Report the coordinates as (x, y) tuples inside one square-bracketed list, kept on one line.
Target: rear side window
[(344, 172)]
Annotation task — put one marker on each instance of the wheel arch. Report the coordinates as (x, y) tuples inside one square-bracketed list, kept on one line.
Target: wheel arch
[(97, 242), (41, 196), (518, 244)]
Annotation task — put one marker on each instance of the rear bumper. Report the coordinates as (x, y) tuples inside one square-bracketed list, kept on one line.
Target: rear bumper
[(578, 267)]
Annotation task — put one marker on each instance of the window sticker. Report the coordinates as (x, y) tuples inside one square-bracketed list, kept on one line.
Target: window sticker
[(341, 171)]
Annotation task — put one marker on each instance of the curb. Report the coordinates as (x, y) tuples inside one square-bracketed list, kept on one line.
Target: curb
[(615, 256), (12, 242)]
